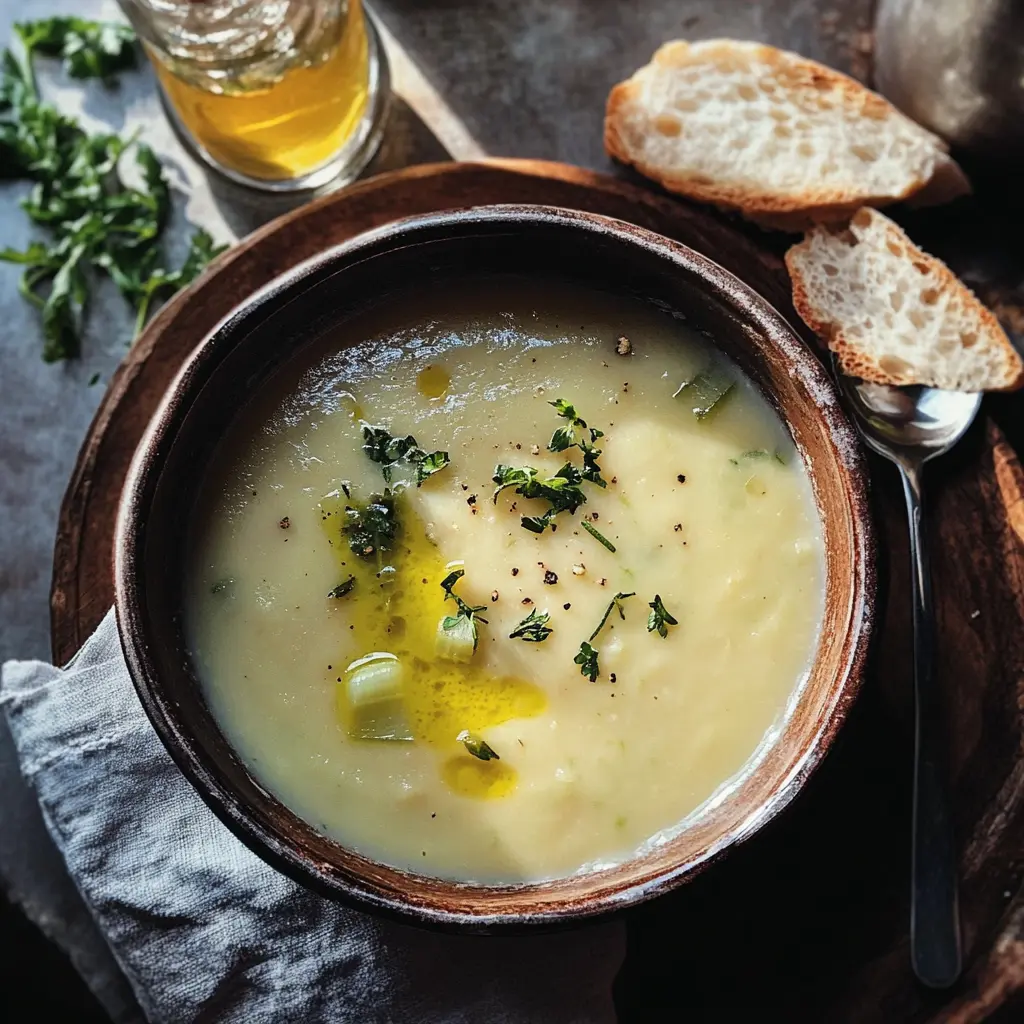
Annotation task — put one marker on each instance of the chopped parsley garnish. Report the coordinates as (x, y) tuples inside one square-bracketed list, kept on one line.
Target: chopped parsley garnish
[(477, 746), (428, 465), (587, 656), (562, 491), (572, 436), (533, 628), (660, 618), (591, 470), (462, 626), (616, 603), (222, 586), (372, 528), (565, 437), (343, 588), (95, 220), (587, 661), (388, 451)]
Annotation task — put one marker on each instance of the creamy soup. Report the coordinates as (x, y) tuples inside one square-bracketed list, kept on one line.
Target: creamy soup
[(515, 685)]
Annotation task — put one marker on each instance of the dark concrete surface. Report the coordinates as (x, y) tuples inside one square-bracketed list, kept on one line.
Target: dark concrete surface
[(527, 79)]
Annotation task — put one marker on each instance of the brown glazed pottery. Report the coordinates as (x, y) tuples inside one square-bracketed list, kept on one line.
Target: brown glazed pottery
[(271, 328)]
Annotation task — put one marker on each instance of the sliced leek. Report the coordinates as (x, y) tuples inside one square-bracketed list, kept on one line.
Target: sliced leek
[(456, 638), (373, 691), (706, 390)]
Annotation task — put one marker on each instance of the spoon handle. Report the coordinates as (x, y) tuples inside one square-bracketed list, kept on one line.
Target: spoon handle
[(934, 910)]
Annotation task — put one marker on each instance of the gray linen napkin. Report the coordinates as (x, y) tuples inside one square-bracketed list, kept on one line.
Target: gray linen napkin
[(205, 931)]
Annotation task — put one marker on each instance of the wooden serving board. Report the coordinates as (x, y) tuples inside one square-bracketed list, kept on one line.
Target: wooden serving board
[(808, 920)]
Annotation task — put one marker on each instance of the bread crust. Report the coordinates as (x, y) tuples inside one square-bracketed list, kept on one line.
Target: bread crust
[(853, 360), (773, 209)]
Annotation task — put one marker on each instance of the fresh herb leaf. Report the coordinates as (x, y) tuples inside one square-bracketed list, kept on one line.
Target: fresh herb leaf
[(567, 411), (616, 603), (511, 476), (562, 491), (461, 627), (597, 535), (221, 586), (343, 588), (427, 464), (706, 390), (371, 529), (142, 284), (388, 451), (477, 746), (97, 222), (562, 438), (533, 628), (448, 583), (384, 449), (587, 661), (90, 49), (537, 524), (566, 436), (660, 618), (591, 470)]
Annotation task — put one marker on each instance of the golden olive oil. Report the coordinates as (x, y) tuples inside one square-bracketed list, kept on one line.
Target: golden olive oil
[(285, 126)]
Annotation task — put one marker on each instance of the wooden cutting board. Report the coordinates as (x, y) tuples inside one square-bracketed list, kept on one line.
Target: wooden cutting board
[(807, 921)]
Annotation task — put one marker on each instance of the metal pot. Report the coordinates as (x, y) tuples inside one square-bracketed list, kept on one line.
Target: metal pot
[(957, 67)]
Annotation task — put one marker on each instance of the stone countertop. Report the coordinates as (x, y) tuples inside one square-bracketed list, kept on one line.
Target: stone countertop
[(473, 78)]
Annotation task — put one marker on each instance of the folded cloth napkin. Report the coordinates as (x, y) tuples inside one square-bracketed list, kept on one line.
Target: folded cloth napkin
[(206, 931)]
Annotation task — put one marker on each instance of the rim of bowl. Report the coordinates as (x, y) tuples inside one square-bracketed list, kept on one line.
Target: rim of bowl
[(353, 888)]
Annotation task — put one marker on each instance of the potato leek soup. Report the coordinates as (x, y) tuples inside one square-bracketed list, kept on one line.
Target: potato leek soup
[(506, 581)]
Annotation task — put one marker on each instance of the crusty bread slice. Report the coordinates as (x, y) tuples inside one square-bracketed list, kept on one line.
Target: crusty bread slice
[(786, 141), (895, 315)]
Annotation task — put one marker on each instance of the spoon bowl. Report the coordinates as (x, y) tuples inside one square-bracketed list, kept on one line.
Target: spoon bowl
[(909, 423)]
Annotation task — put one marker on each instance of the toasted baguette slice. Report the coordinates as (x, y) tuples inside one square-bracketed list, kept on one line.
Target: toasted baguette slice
[(784, 140), (895, 315)]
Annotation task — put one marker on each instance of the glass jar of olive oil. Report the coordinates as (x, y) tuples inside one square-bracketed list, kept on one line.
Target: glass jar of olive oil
[(280, 95)]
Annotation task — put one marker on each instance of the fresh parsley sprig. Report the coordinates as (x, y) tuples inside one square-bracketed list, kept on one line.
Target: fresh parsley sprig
[(587, 661), (563, 490), (660, 618), (90, 49), (461, 627), (587, 658), (572, 436), (389, 451), (96, 221), (534, 628), (616, 603)]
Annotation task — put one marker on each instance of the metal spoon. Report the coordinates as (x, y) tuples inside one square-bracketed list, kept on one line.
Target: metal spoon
[(909, 426)]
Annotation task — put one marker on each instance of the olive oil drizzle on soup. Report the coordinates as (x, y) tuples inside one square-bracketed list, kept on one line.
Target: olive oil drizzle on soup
[(515, 687)]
